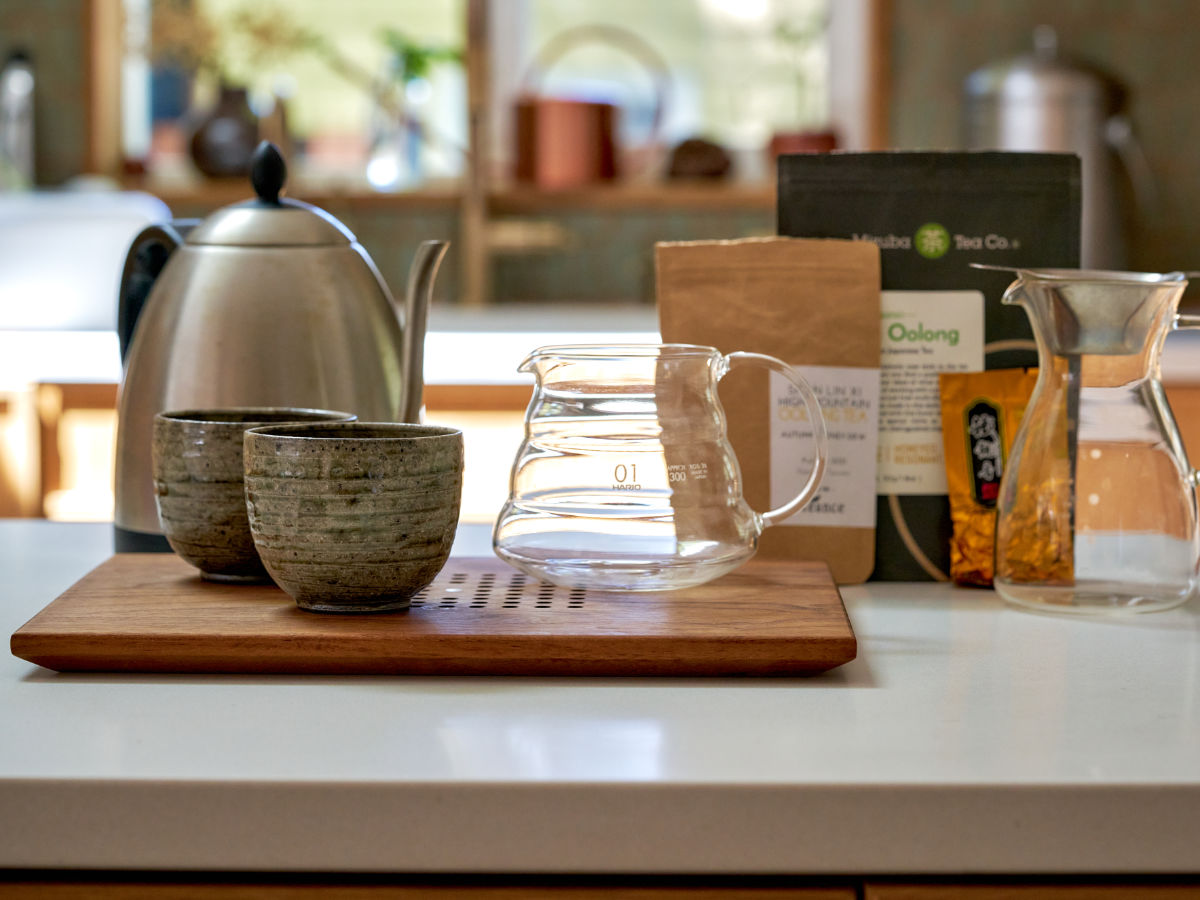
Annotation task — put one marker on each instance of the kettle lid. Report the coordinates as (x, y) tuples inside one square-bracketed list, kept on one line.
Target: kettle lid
[(270, 220), (1045, 76)]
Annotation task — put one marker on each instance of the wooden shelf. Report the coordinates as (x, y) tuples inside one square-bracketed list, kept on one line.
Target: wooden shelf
[(217, 192), (512, 200), (636, 195)]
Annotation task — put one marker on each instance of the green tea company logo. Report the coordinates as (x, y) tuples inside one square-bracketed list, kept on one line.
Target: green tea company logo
[(931, 240)]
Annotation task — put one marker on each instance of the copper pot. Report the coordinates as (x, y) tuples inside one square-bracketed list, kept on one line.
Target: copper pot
[(564, 142)]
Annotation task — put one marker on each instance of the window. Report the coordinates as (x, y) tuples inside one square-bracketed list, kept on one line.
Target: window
[(731, 71), (332, 74)]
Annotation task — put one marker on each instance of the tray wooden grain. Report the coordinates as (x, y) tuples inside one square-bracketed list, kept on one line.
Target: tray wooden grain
[(150, 612)]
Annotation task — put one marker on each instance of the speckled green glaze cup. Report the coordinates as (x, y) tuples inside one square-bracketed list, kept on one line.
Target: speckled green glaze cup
[(353, 517), (197, 460)]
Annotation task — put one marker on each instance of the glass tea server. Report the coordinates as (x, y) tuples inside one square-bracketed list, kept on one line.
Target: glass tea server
[(1097, 508), (626, 479)]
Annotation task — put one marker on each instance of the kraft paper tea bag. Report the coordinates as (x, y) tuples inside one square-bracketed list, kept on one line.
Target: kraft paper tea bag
[(931, 215), (815, 305)]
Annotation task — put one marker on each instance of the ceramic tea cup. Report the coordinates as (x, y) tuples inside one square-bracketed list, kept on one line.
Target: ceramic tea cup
[(197, 462), (354, 516)]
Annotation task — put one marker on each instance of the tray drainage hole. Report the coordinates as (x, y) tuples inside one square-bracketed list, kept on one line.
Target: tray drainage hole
[(479, 604), (574, 604)]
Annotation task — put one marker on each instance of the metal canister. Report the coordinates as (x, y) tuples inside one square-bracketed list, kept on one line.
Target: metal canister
[(16, 121), (1045, 102)]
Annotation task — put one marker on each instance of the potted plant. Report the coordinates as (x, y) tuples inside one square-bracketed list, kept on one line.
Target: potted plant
[(797, 38)]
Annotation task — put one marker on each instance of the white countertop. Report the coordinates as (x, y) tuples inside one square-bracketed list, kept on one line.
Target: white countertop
[(463, 346), (966, 738)]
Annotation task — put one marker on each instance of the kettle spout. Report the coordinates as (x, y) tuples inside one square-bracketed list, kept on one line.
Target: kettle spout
[(417, 299)]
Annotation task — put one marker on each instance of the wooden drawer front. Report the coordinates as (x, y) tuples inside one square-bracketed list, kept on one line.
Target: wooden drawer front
[(439, 890), (1130, 890)]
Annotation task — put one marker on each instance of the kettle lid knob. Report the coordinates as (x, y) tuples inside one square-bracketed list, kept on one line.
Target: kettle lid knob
[(269, 220), (268, 173)]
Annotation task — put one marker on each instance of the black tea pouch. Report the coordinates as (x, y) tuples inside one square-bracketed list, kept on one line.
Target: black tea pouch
[(932, 214)]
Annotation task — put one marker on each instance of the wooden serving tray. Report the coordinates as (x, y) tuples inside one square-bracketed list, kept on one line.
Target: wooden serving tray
[(150, 612)]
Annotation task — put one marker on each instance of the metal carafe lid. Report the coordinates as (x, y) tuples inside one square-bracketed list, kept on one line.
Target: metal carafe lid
[(270, 220), (1046, 77)]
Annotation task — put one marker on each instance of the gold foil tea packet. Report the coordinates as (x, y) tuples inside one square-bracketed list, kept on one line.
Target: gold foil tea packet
[(980, 415)]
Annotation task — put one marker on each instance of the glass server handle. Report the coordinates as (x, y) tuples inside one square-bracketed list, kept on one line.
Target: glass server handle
[(813, 407)]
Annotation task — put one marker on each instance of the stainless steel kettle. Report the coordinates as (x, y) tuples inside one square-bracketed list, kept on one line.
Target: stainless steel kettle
[(270, 302)]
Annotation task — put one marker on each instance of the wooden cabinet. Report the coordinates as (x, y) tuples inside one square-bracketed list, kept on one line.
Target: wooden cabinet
[(264, 888), (415, 890)]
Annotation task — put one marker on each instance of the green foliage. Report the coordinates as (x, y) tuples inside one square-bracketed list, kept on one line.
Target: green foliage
[(415, 60)]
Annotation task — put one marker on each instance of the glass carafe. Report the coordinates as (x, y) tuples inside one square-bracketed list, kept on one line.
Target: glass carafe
[(1097, 507), (625, 479)]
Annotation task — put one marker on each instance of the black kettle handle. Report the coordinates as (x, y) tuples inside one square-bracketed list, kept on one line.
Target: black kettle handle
[(147, 255)]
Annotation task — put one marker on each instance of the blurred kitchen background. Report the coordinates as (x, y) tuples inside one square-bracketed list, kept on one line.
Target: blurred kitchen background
[(410, 119)]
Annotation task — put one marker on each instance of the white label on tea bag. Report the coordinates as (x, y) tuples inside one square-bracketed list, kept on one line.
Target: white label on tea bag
[(850, 405), (923, 333)]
